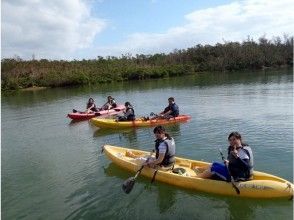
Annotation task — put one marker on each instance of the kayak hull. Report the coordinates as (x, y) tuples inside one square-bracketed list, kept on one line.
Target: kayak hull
[(262, 185), (87, 116), (111, 123)]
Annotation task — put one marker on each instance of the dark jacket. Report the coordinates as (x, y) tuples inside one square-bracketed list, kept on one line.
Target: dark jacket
[(241, 168), (174, 108)]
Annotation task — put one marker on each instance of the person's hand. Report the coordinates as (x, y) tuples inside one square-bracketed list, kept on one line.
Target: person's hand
[(234, 152), (226, 162), (146, 163)]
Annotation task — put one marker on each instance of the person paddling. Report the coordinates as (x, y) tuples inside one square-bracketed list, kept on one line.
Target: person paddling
[(239, 163), (172, 110), (91, 107), (165, 149), (109, 104), (129, 113)]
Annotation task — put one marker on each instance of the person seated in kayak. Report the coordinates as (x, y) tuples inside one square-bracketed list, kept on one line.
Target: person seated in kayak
[(109, 104), (129, 113), (239, 161), (171, 111), (91, 107), (165, 150)]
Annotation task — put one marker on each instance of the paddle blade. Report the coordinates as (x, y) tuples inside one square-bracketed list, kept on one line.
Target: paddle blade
[(128, 185)]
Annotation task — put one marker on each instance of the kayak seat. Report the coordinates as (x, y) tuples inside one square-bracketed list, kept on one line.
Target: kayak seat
[(179, 170)]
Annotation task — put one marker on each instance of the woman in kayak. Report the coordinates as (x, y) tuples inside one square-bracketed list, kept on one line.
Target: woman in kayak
[(171, 111), (165, 150), (129, 113), (239, 163), (91, 107), (109, 104)]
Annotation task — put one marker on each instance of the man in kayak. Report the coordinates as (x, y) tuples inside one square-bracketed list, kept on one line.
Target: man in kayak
[(109, 104), (171, 111), (165, 150), (91, 107), (129, 113), (239, 163)]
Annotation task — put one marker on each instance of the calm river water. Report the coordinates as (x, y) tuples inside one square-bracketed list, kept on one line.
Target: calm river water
[(52, 168)]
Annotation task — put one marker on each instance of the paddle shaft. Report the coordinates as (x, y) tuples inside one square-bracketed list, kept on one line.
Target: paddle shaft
[(138, 172), (232, 179)]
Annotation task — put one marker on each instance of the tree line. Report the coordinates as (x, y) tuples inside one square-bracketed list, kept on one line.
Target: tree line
[(227, 56)]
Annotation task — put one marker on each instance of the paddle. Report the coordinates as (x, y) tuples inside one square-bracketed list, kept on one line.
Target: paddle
[(232, 179), (130, 182)]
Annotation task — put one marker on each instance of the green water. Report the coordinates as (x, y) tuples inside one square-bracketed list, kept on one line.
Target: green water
[(52, 168)]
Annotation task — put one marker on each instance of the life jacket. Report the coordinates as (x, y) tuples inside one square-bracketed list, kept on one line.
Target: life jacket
[(93, 108), (131, 116), (112, 103), (169, 157), (174, 108), (236, 168)]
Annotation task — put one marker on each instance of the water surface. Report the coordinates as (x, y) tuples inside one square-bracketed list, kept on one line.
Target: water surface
[(52, 168)]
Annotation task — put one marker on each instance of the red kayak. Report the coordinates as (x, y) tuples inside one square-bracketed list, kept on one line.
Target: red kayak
[(87, 116)]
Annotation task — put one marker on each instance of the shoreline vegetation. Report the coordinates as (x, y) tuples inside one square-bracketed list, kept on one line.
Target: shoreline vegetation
[(229, 56)]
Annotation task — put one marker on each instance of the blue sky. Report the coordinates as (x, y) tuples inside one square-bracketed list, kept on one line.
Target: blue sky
[(85, 29), (126, 17)]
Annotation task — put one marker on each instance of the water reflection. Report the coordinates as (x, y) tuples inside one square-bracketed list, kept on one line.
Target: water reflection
[(76, 122), (166, 198), (174, 129), (166, 195), (105, 198), (129, 136), (246, 208)]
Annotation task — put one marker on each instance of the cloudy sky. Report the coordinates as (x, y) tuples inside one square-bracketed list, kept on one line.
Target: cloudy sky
[(85, 29)]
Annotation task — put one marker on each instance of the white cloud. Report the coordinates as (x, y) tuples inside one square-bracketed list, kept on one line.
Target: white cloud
[(52, 29), (65, 29), (233, 22)]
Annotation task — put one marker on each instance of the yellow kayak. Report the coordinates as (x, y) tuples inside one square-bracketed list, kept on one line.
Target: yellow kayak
[(262, 185), (112, 123)]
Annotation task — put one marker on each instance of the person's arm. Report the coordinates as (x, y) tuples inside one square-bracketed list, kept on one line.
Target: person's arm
[(164, 111), (127, 113), (244, 162), (88, 109), (156, 161), (162, 150), (167, 113)]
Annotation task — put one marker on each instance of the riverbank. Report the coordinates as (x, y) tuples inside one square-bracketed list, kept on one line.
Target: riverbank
[(230, 56)]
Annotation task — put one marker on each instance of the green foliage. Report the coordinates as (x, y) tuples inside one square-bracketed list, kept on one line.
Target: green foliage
[(229, 56)]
